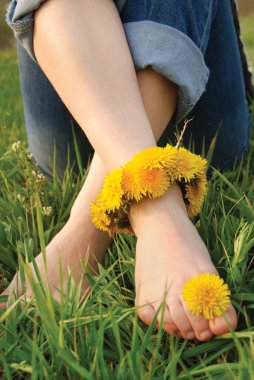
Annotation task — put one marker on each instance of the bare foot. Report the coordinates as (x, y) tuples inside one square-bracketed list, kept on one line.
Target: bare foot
[(169, 252), (72, 244)]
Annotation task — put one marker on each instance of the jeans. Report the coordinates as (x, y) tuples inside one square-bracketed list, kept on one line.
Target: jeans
[(191, 43)]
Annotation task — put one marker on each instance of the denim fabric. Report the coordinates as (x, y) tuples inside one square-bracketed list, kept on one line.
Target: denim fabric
[(184, 41), (20, 17), (49, 124), (172, 54), (154, 30), (223, 107)]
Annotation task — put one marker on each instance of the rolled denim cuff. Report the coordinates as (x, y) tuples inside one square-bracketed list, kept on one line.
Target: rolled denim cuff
[(20, 17), (172, 54)]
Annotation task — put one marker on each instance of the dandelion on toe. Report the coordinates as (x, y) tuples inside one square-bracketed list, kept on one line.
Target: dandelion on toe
[(206, 294)]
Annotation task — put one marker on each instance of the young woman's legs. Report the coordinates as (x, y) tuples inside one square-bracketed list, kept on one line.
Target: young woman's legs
[(79, 237), (169, 231), (108, 106), (79, 234)]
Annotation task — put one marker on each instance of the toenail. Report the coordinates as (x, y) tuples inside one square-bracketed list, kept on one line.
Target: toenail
[(205, 335), (190, 335)]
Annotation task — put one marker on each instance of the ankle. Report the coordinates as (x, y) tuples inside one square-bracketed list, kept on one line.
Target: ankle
[(81, 223), (153, 209)]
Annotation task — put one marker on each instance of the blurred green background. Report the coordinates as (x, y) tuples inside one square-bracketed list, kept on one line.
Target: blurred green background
[(6, 39)]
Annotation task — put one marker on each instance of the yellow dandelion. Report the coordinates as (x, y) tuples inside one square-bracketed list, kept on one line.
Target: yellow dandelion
[(130, 182), (112, 191), (139, 182), (195, 193), (145, 174), (206, 294), (99, 217), (188, 164), (193, 209), (154, 182), (156, 157)]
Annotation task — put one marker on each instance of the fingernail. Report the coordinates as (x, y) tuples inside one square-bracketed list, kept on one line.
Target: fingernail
[(206, 335)]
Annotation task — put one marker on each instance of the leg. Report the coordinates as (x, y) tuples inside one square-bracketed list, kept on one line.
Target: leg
[(78, 235), (48, 122), (125, 138), (78, 240), (186, 244), (59, 49)]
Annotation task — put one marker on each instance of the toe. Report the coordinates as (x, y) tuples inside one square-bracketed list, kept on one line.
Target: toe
[(146, 313), (165, 318), (199, 324), (222, 325), (180, 319)]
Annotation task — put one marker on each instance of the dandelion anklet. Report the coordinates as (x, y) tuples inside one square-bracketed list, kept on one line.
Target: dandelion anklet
[(149, 174)]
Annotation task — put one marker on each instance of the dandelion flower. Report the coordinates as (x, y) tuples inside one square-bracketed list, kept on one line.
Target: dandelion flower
[(154, 182), (145, 174), (130, 181), (98, 216), (195, 194), (188, 165), (139, 182), (112, 191), (206, 294), (156, 157)]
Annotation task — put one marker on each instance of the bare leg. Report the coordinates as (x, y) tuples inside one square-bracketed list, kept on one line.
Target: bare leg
[(78, 239), (89, 57), (106, 101), (79, 234)]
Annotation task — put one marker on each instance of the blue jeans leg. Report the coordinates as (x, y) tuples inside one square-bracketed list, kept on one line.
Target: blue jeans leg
[(49, 124), (223, 106)]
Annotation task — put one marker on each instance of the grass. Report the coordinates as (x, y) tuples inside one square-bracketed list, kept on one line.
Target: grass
[(247, 29), (100, 337), (6, 37)]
